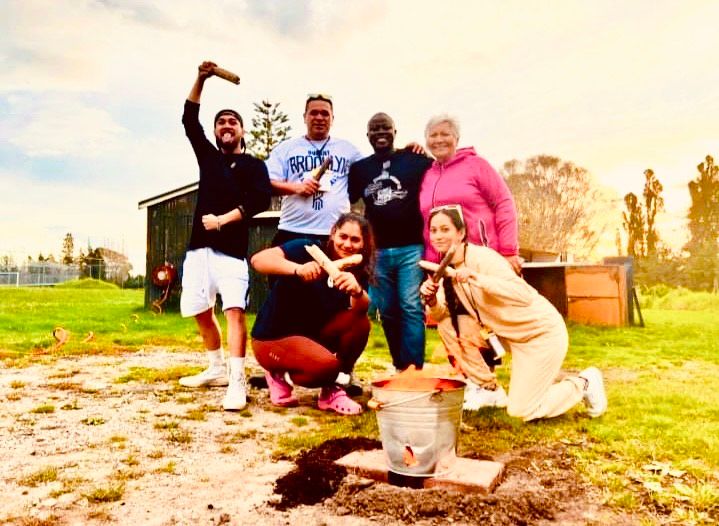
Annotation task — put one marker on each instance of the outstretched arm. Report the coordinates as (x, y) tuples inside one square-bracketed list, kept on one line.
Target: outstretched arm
[(204, 71), (273, 261)]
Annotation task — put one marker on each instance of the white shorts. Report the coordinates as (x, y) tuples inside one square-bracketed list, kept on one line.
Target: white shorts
[(206, 273)]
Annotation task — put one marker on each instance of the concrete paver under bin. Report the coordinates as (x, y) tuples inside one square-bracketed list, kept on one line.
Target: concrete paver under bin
[(467, 475)]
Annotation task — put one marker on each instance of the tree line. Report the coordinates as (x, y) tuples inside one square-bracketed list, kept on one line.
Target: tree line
[(98, 263), (696, 266)]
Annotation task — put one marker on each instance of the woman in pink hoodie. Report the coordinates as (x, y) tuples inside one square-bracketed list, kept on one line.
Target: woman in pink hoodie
[(460, 176)]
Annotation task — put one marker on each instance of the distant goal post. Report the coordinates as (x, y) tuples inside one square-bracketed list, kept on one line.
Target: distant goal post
[(9, 279)]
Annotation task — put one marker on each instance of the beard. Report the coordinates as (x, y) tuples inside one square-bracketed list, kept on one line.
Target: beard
[(227, 142)]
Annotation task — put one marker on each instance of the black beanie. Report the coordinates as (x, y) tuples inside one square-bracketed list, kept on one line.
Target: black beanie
[(228, 112)]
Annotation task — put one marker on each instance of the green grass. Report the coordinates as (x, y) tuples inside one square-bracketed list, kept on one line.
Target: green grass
[(167, 468), (662, 382), (85, 284), (149, 375), (44, 409), (116, 318), (93, 421), (111, 493), (41, 476)]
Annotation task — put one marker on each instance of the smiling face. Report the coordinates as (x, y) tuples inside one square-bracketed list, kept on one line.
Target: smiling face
[(347, 239), (381, 133), (228, 132), (442, 141), (318, 118), (443, 233)]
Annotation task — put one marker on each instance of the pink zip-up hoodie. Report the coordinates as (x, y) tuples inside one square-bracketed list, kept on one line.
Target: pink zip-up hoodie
[(487, 204)]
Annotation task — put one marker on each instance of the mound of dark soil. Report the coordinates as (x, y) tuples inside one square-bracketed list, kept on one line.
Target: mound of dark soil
[(316, 476), (540, 486)]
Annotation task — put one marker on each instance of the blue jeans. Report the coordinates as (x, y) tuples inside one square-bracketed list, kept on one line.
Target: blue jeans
[(395, 294)]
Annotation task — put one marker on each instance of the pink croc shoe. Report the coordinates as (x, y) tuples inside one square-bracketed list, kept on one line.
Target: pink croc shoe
[(335, 399), (280, 391)]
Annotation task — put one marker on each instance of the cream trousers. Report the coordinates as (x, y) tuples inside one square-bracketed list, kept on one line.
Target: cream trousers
[(533, 388)]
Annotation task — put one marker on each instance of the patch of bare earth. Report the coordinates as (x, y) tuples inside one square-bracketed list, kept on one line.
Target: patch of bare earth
[(158, 454)]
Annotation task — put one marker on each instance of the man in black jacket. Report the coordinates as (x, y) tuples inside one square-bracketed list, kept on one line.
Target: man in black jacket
[(233, 187)]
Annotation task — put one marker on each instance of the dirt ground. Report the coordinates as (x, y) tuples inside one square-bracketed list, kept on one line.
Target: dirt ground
[(153, 454)]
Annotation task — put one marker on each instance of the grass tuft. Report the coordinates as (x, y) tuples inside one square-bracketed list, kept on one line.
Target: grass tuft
[(196, 414), (93, 421), (149, 375), (111, 493), (71, 406), (167, 468), (42, 476)]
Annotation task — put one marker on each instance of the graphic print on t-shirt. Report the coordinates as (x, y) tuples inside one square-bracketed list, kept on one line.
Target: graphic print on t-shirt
[(304, 165), (384, 188)]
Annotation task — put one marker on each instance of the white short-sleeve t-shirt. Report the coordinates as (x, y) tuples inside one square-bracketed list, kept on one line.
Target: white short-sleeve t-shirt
[(292, 161)]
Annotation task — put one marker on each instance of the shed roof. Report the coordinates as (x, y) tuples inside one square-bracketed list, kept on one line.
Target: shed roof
[(146, 203), (161, 198)]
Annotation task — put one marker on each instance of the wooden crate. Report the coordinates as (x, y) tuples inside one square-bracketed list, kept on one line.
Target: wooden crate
[(584, 293), (597, 295)]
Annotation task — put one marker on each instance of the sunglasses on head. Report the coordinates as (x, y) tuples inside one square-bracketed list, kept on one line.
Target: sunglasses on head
[(319, 96), (448, 208)]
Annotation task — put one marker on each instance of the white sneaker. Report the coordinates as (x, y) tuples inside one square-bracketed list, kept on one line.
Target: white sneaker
[(595, 397), (476, 397), (343, 379), (236, 396), (213, 376)]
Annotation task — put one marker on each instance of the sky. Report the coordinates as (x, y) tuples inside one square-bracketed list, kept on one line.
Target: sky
[(91, 93)]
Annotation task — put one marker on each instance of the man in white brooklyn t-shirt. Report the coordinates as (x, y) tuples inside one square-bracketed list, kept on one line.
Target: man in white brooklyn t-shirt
[(310, 208)]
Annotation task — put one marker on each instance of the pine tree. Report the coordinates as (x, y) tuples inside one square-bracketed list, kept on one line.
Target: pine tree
[(653, 203), (703, 262), (633, 220), (269, 128), (68, 247)]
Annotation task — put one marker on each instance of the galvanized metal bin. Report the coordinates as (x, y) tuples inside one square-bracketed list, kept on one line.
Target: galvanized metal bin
[(419, 425)]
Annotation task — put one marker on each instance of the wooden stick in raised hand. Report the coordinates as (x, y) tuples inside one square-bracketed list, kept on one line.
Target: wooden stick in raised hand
[(227, 75), (442, 267), (432, 267)]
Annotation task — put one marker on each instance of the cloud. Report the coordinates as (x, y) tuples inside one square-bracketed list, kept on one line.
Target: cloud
[(55, 126)]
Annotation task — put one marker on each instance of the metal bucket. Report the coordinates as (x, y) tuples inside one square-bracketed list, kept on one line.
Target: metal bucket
[(419, 425)]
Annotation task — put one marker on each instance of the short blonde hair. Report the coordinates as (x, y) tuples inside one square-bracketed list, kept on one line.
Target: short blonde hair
[(441, 119)]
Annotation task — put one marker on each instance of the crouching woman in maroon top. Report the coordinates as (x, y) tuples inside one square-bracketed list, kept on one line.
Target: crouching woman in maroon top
[(310, 327)]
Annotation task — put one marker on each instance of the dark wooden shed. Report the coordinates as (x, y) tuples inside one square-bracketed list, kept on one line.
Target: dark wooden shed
[(169, 223)]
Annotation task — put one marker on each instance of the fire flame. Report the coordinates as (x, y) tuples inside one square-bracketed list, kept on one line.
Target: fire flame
[(408, 457), (427, 379)]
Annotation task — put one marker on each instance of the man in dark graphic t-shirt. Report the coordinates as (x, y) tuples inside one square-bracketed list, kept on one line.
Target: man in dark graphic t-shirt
[(388, 182)]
